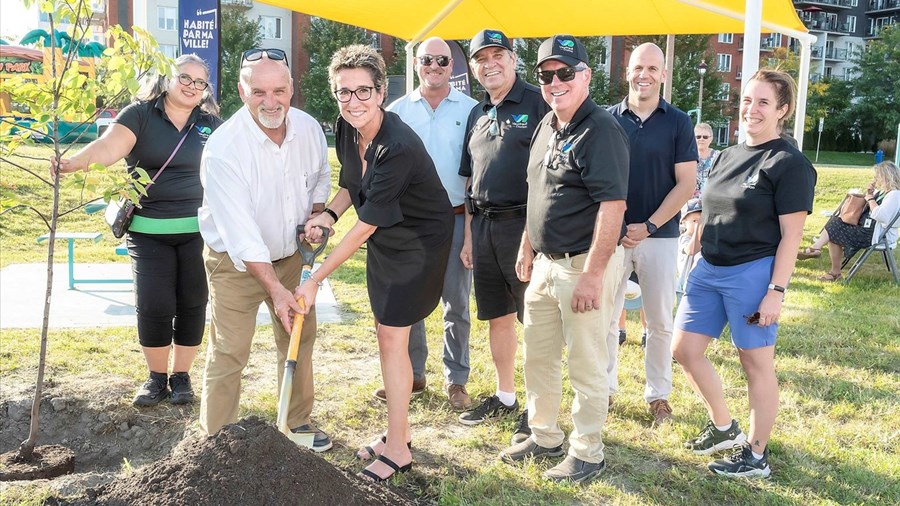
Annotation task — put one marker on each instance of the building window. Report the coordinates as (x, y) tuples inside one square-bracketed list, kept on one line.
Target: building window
[(851, 24), (722, 135), (170, 50), (271, 27), (854, 3), (724, 92), (726, 38), (167, 18), (375, 41), (724, 62)]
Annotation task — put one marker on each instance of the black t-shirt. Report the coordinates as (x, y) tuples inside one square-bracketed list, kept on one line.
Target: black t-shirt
[(570, 171), (665, 138), (748, 189), (497, 164), (177, 193)]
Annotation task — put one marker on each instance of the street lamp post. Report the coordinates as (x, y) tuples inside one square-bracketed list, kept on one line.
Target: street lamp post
[(702, 69)]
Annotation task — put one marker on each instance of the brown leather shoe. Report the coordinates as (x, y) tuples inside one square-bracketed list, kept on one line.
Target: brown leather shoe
[(459, 398), (661, 411), (418, 387)]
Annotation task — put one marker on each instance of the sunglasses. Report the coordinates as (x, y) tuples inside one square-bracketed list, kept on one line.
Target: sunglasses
[(199, 84), (257, 54), (704, 137), (363, 93), (426, 59), (494, 128), (752, 319), (564, 74)]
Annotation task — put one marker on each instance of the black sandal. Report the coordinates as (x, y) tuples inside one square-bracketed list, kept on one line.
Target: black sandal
[(388, 462), (371, 451)]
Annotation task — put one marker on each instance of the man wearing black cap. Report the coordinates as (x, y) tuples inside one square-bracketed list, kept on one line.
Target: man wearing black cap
[(494, 159), (577, 184)]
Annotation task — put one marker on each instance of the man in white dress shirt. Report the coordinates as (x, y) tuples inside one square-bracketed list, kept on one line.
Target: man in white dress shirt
[(264, 172)]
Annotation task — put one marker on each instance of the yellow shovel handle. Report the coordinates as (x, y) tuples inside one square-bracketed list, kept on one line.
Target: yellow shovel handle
[(294, 348)]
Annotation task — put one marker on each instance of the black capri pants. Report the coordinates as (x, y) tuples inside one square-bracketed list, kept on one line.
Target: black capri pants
[(170, 288)]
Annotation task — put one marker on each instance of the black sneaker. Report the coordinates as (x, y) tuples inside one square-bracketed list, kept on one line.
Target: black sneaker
[(523, 431), (153, 391), (575, 470), (622, 336), (321, 441), (529, 449), (741, 463), (180, 384), (489, 409), (711, 439), (644, 340)]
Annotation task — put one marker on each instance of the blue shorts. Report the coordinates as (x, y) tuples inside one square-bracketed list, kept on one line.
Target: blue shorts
[(717, 295)]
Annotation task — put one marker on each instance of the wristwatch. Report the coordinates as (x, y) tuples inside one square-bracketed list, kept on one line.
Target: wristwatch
[(777, 288), (651, 228)]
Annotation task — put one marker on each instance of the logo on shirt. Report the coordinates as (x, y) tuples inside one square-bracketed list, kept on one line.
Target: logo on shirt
[(750, 182), (204, 132), (518, 121)]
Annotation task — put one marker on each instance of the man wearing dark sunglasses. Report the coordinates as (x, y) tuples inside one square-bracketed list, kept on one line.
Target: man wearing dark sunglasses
[(437, 112), (663, 172), (577, 184), (494, 159)]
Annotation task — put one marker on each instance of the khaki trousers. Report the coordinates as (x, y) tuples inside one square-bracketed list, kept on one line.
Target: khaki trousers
[(234, 300), (550, 325)]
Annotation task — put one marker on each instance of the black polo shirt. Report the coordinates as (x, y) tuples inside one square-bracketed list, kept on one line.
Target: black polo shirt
[(178, 192), (657, 144), (497, 164), (570, 171)]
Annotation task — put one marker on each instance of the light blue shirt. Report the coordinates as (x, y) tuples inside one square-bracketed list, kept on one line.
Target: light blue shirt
[(442, 131)]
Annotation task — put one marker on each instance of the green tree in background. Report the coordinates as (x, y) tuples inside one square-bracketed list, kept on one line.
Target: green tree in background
[(876, 88), (323, 39), (238, 34)]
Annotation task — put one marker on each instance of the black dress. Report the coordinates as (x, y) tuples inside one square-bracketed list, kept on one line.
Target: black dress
[(402, 195)]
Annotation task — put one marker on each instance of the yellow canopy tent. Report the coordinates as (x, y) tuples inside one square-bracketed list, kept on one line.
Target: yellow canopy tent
[(414, 20)]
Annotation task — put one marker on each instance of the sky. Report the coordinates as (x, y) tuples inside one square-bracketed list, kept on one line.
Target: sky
[(15, 20)]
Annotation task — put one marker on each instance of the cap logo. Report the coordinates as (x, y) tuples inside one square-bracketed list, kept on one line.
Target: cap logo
[(495, 36), (566, 45)]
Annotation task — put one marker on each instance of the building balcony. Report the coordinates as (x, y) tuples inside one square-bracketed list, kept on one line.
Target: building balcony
[(246, 4), (816, 78), (816, 25), (768, 43), (830, 53), (880, 6), (827, 4), (874, 32)]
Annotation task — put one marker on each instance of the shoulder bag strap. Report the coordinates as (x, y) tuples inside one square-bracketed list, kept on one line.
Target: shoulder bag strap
[(161, 169)]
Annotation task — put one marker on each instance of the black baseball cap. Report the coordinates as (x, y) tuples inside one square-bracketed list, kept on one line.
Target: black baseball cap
[(488, 38), (564, 48)]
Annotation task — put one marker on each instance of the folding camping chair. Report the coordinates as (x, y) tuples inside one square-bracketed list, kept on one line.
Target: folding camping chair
[(881, 245)]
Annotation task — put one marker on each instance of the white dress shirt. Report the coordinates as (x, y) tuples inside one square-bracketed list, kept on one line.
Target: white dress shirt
[(256, 192)]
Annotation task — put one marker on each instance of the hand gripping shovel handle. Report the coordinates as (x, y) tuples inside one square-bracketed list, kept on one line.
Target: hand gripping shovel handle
[(308, 254)]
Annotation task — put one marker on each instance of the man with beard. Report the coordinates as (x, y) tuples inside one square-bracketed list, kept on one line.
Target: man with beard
[(264, 174)]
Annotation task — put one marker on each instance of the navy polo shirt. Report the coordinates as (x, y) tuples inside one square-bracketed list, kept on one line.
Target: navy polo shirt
[(657, 144), (497, 164), (570, 172), (178, 192)]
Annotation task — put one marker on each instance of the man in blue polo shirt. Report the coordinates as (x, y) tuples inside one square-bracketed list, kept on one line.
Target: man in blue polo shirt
[(662, 176), (437, 112)]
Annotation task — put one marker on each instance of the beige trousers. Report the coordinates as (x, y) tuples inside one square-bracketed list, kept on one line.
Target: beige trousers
[(234, 300), (550, 325)]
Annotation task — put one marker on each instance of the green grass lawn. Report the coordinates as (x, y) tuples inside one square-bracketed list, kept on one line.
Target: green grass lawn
[(835, 442), (838, 157)]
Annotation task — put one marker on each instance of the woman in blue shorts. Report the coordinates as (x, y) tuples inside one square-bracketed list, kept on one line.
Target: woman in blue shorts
[(754, 207)]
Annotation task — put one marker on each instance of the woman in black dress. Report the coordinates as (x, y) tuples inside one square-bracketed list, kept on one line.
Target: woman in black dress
[(406, 221)]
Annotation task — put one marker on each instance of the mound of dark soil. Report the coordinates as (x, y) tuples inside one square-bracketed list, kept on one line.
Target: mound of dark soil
[(246, 463)]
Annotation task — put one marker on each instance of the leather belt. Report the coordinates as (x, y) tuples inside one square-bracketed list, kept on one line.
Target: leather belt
[(560, 256), (460, 209), (501, 213)]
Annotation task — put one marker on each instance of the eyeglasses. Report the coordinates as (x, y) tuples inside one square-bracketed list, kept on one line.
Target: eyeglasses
[(199, 84), (363, 93), (494, 128), (257, 54), (752, 319), (426, 59), (564, 74), (703, 137)]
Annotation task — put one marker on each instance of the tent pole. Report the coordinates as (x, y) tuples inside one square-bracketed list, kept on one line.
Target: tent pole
[(750, 59), (408, 54), (802, 90), (670, 67)]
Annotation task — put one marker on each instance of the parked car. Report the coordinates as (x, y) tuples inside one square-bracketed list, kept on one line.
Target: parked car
[(104, 119)]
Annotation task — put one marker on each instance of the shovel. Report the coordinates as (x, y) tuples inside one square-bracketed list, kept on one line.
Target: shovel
[(308, 254)]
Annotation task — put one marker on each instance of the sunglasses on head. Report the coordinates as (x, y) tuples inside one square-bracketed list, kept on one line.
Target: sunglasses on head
[(564, 74), (703, 137), (257, 54), (426, 59), (752, 319)]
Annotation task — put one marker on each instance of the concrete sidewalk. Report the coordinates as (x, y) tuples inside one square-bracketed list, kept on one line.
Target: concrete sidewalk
[(23, 286)]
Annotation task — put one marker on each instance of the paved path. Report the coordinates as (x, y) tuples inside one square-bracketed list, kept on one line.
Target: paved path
[(22, 289)]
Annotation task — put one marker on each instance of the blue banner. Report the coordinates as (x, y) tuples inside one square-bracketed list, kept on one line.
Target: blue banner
[(459, 76), (198, 23)]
